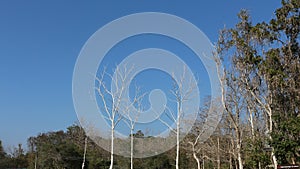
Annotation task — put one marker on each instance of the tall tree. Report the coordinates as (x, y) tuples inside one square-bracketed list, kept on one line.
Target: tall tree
[(194, 143), (282, 67), (56, 150), (184, 89), (266, 57), (2, 152), (3, 159), (112, 99), (132, 116)]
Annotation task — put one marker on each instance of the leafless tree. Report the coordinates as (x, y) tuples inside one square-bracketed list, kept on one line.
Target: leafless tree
[(234, 105), (183, 91), (111, 99), (132, 115)]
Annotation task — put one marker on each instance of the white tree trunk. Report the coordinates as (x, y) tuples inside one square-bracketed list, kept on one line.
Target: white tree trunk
[(112, 147), (197, 159), (179, 102), (84, 152), (195, 156), (177, 144), (274, 159), (240, 160), (131, 148), (251, 120), (239, 155)]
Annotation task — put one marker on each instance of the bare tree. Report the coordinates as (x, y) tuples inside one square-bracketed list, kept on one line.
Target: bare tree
[(234, 105), (111, 99), (132, 115), (207, 148), (192, 143), (183, 91), (193, 139)]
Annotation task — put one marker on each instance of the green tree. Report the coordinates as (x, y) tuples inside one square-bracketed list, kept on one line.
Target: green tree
[(282, 68), (3, 158), (265, 57), (2, 152), (56, 150)]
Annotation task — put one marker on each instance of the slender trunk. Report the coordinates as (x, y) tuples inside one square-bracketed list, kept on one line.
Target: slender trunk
[(203, 160), (84, 152), (230, 161), (252, 125), (195, 156), (239, 147), (131, 148), (178, 132), (218, 156), (112, 147), (239, 155), (197, 159), (240, 160), (234, 154), (251, 122), (270, 124), (293, 160), (274, 159), (35, 161), (177, 145)]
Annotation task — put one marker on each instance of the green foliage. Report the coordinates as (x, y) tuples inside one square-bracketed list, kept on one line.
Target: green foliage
[(286, 83), (55, 150), (266, 56), (286, 139), (157, 162), (2, 153), (255, 153), (17, 160)]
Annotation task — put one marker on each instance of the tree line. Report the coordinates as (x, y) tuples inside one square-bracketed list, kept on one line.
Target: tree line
[(260, 84)]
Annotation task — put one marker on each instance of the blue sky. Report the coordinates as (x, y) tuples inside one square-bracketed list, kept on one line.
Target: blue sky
[(40, 42)]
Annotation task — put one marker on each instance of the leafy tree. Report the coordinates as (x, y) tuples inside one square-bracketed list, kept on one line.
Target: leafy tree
[(2, 153), (266, 58), (282, 68), (55, 150), (256, 156), (17, 158), (3, 159), (138, 134)]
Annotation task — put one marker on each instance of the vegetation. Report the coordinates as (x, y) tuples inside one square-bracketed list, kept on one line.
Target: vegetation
[(259, 128)]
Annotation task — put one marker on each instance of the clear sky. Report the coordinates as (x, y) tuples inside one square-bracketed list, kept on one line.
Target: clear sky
[(40, 42)]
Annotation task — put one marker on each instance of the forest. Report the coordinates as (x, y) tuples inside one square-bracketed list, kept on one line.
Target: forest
[(260, 126)]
